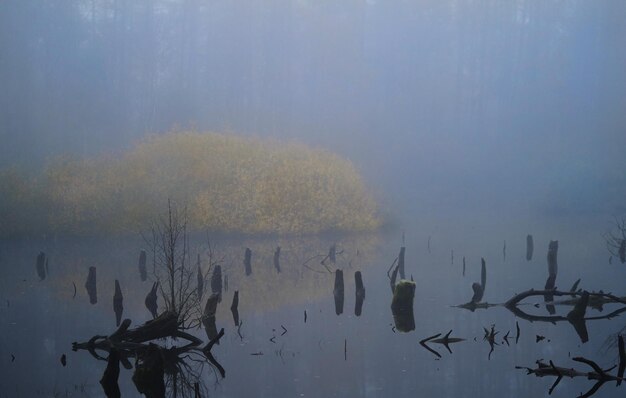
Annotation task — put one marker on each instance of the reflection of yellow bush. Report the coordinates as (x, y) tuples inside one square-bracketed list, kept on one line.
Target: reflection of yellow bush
[(229, 183)]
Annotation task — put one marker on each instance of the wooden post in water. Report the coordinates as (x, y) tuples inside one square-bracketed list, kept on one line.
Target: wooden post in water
[(360, 293), (216, 282), (530, 247), (277, 259), (247, 261), (338, 292), (41, 265), (118, 306), (553, 249)]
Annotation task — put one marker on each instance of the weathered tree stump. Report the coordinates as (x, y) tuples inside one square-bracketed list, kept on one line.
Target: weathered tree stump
[(402, 306), (479, 289)]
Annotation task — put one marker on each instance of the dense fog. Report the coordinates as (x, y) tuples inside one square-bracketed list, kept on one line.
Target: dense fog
[(445, 106)]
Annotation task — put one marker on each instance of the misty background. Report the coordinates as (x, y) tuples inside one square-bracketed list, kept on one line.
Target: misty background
[(445, 106)]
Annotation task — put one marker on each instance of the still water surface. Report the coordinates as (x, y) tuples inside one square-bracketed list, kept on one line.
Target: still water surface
[(330, 354)]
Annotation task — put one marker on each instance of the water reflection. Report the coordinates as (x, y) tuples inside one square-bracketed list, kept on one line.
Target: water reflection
[(293, 308), (158, 367), (91, 286)]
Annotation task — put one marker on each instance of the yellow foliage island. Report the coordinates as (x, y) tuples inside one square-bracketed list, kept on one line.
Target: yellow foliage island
[(228, 184)]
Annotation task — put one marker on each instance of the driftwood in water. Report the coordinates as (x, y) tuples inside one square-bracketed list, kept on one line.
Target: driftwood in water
[(118, 303), (200, 280), (277, 259), (601, 376), (401, 263), (530, 247), (445, 341), (622, 251), (402, 305), (208, 318), (41, 265), (216, 282), (111, 374), (234, 308), (247, 261), (152, 362), (151, 300), (165, 325), (360, 293), (577, 317), (143, 271), (338, 292), (90, 285)]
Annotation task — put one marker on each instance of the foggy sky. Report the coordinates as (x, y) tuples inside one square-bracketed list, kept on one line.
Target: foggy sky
[(444, 106)]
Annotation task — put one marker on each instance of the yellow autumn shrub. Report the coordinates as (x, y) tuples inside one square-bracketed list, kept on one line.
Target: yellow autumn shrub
[(228, 183)]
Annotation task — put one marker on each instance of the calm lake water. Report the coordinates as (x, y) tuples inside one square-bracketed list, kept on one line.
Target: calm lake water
[(329, 355)]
